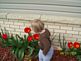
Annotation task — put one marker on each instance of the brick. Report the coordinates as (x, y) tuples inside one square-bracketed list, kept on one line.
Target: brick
[(3, 15), (23, 21), (71, 25), (70, 39), (77, 22), (47, 23), (19, 24), (66, 28), (70, 20), (1, 27), (10, 29), (22, 34), (51, 34), (14, 26), (15, 33), (21, 27), (53, 26), (27, 24), (51, 30), (72, 32), (61, 19), (1, 21), (57, 37), (19, 30), (4, 25), (8, 22), (59, 31), (12, 20), (56, 44), (47, 17), (60, 24), (77, 29), (79, 39), (55, 40), (79, 33), (77, 36), (46, 26), (21, 16), (57, 47), (35, 16), (56, 34), (68, 35)]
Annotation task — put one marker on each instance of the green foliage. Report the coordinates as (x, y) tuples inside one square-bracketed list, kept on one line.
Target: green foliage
[(62, 43), (78, 57), (19, 45), (69, 51)]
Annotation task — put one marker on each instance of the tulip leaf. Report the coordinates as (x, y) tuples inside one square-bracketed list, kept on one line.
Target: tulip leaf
[(16, 52), (13, 50), (30, 50), (25, 43), (21, 54)]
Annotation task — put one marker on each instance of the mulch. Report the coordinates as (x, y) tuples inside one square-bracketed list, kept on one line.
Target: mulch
[(5, 55)]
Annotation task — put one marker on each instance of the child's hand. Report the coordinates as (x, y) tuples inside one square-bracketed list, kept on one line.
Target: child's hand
[(40, 45)]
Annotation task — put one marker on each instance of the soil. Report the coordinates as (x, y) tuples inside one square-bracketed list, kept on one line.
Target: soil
[(5, 55)]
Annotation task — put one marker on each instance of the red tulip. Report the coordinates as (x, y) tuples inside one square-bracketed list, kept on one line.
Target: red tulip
[(29, 38), (4, 36), (36, 36), (76, 45), (70, 44), (27, 30)]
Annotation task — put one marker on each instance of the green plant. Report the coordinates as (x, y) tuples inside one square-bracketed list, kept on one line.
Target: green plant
[(20, 45), (72, 50), (62, 43), (78, 57)]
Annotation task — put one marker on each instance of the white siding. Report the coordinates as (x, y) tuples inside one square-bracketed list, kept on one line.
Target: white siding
[(54, 7)]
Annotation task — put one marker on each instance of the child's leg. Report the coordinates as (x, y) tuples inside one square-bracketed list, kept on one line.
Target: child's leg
[(49, 55), (40, 55)]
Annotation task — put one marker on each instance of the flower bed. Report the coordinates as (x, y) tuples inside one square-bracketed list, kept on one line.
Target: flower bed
[(59, 57), (18, 46), (5, 55)]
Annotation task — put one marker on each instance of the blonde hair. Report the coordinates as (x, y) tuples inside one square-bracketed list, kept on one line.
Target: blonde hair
[(37, 25)]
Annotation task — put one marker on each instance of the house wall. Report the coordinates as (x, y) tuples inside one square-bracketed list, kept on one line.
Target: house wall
[(59, 16), (16, 22)]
